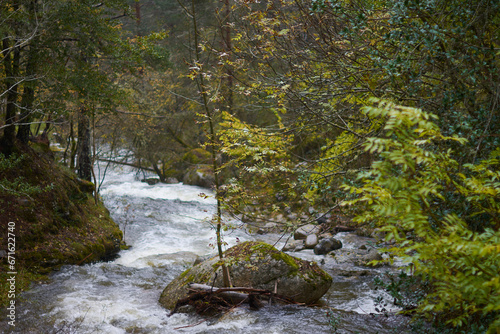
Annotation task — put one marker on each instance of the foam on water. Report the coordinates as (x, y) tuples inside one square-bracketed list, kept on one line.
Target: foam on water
[(125, 181), (160, 191)]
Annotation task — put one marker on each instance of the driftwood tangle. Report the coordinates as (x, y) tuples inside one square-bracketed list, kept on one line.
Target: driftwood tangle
[(207, 299)]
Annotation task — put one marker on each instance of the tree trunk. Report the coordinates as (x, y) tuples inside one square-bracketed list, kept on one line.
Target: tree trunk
[(23, 133), (84, 164), (138, 17), (11, 67), (213, 145), (157, 170), (73, 148)]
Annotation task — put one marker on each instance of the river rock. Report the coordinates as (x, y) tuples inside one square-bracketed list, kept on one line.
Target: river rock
[(365, 260), (293, 246), (197, 156), (268, 228), (311, 241), (151, 181), (257, 265), (325, 246), (302, 232), (171, 180), (200, 175)]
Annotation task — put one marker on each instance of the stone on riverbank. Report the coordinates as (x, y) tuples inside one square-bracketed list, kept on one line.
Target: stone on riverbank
[(311, 241), (256, 265), (365, 260), (199, 175), (302, 232), (293, 246), (327, 245)]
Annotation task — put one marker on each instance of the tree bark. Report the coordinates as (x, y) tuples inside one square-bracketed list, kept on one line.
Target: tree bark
[(157, 170), (11, 67), (73, 147), (84, 164), (213, 139), (23, 132), (28, 96), (138, 17)]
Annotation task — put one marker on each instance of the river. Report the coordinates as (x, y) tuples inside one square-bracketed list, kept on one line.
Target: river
[(167, 227)]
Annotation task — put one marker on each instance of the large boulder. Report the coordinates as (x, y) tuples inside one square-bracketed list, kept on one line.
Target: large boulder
[(257, 265), (199, 175), (197, 156)]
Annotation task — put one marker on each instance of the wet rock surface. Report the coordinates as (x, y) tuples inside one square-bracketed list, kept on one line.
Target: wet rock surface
[(302, 232), (327, 245), (256, 265)]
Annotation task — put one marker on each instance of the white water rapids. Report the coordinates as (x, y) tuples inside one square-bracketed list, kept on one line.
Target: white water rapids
[(168, 227)]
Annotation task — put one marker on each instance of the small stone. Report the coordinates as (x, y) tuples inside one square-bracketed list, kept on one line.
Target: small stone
[(268, 228), (322, 219), (311, 241), (293, 246), (151, 181), (327, 245), (326, 235), (364, 260), (337, 244), (302, 232)]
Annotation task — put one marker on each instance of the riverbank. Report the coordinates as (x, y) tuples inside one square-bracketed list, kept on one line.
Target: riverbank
[(48, 218), (168, 227)]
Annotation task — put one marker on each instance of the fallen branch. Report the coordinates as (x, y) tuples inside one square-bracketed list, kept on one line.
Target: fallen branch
[(207, 299)]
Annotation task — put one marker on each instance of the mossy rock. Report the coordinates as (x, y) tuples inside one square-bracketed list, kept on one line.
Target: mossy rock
[(257, 265), (197, 156), (86, 186), (200, 175)]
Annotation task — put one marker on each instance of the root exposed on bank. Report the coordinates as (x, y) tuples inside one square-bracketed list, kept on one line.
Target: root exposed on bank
[(208, 300)]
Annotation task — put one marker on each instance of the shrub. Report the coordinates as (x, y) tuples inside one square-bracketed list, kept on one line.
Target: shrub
[(444, 217)]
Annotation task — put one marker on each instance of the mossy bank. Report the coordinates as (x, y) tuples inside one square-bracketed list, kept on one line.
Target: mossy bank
[(53, 219)]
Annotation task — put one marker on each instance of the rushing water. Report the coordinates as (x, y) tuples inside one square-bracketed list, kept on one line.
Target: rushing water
[(168, 226)]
